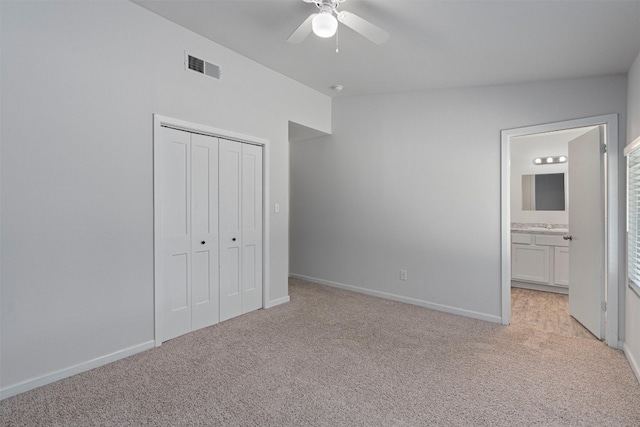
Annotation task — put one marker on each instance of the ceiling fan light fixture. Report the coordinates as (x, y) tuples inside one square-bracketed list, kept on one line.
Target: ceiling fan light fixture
[(324, 24)]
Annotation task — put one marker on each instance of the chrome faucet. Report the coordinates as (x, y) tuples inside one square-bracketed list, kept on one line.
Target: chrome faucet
[(549, 226)]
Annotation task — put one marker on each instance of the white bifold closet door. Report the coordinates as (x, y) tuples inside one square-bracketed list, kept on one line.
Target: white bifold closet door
[(240, 228), (189, 232)]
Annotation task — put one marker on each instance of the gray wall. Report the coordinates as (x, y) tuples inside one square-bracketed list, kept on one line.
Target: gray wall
[(80, 82), (412, 181)]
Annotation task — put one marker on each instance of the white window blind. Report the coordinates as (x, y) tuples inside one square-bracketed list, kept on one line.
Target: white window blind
[(632, 152)]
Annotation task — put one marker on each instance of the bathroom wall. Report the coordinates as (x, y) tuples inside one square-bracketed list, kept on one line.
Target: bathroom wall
[(523, 150)]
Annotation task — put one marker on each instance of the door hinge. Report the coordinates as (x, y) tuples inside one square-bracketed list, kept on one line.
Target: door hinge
[(604, 306), (604, 148)]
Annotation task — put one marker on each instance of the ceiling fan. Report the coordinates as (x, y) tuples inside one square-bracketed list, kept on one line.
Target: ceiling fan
[(325, 24)]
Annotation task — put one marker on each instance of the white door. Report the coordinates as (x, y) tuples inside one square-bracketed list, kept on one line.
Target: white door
[(251, 227), (230, 229), (175, 214), (586, 228), (204, 231), (188, 216), (240, 228)]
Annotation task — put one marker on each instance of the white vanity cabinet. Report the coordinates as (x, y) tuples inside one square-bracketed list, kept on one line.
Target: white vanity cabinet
[(540, 261)]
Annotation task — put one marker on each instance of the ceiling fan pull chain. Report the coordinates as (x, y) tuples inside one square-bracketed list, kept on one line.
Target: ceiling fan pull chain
[(337, 39)]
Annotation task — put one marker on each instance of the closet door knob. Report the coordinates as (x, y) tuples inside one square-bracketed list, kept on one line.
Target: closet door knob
[(202, 243), (233, 240)]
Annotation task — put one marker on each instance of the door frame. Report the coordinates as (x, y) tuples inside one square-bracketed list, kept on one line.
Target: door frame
[(160, 121), (612, 285)]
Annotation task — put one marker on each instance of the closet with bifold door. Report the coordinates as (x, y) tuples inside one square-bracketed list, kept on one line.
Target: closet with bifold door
[(240, 228), (209, 224)]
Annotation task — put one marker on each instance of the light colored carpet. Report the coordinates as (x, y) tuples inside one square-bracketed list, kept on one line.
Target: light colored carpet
[(336, 358)]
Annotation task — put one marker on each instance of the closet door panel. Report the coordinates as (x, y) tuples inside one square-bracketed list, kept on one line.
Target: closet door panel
[(230, 161), (200, 280), (178, 282), (251, 227), (204, 231), (175, 214)]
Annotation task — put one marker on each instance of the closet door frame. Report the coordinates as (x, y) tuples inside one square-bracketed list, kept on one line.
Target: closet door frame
[(159, 122)]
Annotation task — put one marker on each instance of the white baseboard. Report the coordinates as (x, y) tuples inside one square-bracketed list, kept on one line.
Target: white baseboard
[(632, 361), (32, 383), (278, 301), (538, 287), (400, 298)]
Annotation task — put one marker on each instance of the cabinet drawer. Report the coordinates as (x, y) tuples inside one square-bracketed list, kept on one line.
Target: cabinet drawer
[(521, 238), (544, 240)]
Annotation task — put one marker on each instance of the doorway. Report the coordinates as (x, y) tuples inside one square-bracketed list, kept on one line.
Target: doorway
[(610, 252)]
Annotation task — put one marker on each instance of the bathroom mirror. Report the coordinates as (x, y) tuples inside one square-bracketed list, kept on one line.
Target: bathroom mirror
[(543, 192)]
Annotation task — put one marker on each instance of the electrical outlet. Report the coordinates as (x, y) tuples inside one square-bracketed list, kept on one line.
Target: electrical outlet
[(403, 275)]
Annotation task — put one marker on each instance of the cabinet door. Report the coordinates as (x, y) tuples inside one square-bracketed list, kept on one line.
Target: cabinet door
[(561, 266), (530, 263)]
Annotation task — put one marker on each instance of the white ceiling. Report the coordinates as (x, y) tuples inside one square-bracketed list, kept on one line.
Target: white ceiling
[(433, 44)]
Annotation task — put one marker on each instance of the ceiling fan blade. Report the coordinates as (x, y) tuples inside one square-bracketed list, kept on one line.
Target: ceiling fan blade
[(366, 28), (302, 31)]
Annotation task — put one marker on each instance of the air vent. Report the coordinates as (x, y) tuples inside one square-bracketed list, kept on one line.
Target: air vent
[(196, 64), (203, 67)]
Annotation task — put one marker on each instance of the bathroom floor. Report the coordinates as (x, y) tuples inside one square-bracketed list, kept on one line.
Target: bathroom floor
[(545, 310)]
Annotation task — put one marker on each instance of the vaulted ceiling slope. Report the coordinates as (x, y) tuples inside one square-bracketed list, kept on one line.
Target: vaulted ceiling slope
[(433, 44)]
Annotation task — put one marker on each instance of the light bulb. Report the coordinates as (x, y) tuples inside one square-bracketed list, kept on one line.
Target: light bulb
[(537, 161), (324, 24), (562, 159), (549, 159)]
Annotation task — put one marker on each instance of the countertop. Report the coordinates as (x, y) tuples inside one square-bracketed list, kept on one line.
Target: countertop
[(541, 230)]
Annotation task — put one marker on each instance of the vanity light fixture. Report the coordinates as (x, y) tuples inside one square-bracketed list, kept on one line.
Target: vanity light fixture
[(549, 160)]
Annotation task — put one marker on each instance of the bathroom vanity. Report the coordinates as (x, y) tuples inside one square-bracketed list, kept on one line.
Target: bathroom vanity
[(540, 259)]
